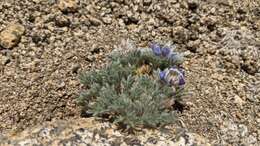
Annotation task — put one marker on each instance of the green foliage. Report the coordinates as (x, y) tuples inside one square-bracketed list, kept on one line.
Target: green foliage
[(129, 98)]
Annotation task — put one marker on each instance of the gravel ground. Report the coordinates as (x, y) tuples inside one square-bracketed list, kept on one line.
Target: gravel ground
[(45, 44)]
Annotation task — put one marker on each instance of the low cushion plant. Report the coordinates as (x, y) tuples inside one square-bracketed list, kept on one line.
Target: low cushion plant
[(137, 88)]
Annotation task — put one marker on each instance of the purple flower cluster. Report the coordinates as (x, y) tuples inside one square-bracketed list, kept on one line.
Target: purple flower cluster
[(173, 76), (158, 50), (165, 51)]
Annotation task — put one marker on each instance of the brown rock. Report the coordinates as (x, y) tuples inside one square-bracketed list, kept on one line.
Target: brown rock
[(250, 66), (258, 25), (239, 101), (68, 5), (193, 4), (107, 20), (11, 35), (193, 45), (62, 21), (180, 34), (4, 60), (94, 21)]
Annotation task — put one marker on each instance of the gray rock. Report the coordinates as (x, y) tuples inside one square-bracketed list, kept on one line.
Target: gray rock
[(90, 132)]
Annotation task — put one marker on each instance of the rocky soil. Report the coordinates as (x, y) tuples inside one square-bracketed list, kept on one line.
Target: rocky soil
[(45, 44)]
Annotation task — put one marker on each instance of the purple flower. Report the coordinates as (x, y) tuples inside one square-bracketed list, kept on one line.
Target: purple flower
[(156, 49), (162, 75), (173, 76), (165, 51), (182, 71), (181, 81)]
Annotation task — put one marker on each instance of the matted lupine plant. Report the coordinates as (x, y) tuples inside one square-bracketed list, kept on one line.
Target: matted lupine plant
[(137, 88)]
